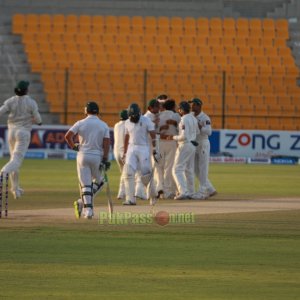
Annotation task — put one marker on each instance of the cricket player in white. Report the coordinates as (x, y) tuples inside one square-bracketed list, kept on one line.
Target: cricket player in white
[(93, 150), (137, 153), (119, 139), (168, 125), (206, 189), (23, 111), (153, 114), (183, 169)]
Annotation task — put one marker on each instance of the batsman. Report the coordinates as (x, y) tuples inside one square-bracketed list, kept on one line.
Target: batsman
[(93, 150), (137, 153)]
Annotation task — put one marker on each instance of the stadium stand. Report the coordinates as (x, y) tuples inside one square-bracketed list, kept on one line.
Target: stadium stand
[(259, 65), (186, 53)]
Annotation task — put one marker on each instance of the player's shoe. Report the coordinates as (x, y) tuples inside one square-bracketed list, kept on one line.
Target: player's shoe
[(199, 196), (141, 196), (182, 197), (212, 193), (78, 206), (129, 202), (120, 196), (17, 193), (160, 194), (88, 213), (169, 196), (153, 201)]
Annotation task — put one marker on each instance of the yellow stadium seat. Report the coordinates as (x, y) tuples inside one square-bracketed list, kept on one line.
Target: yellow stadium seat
[(18, 23), (228, 23), (242, 32), (274, 60), (176, 22), (58, 24), (257, 51), (150, 22), (187, 40), (230, 50), (261, 60), (242, 23), (137, 21), (217, 50), (97, 24), (45, 24), (201, 40), (124, 21), (253, 42), (269, 33), (220, 60), (174, 40), (268, 23), (284, 51), (270, 51), (32, 23), (163, 22), (214, 40), (255, 23), (241, 41), (288, 60), (280, 42), (229, 32), (202, 26), (190, 50), (189, 25), (244, 51), (267, 42), (125, 48)]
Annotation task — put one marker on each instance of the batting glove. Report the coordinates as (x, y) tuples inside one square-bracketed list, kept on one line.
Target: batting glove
[(105, 164), (76, 147), (157, 156)]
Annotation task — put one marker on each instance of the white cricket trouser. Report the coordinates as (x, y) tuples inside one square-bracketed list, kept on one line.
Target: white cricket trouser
[(18, 140), (183, 170), (118, 158), (201, 167), (165, 180), (87, 171), (139, 187), (137, 159)]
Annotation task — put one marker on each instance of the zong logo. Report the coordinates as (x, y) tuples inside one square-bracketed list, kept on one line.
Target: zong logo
[(255, 141)]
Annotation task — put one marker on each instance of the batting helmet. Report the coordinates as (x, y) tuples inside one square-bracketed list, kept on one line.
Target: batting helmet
[(134, 112), (185, 106), (123, 115), (92, 108)]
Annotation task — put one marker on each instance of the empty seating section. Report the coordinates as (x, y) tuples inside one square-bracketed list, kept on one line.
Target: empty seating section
[(106, 57)]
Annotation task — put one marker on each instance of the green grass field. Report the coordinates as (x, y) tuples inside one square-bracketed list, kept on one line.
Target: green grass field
[(221, 256)]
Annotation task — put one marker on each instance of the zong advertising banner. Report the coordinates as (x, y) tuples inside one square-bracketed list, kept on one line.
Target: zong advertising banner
[(260, 143)]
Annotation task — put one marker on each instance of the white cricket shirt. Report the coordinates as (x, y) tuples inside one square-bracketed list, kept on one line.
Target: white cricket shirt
[(91, 132), (139, 132), (188, 129), (21, 109), (119, 135), (166, 115), (206, 130)]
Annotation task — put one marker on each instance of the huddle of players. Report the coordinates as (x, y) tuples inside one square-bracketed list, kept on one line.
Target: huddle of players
[(180, 148)]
